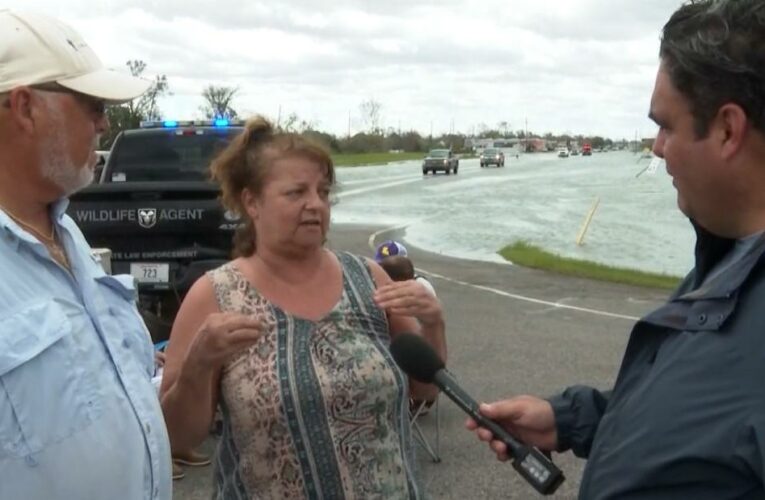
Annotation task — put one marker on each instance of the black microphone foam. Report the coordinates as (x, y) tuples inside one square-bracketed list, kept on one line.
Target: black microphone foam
[(415, 356)]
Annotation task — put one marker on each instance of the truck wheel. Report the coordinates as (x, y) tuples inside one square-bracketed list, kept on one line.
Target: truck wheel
[(448, 171), (455, 170)]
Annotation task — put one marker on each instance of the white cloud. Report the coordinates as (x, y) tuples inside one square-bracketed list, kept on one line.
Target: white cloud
[(578, 66)]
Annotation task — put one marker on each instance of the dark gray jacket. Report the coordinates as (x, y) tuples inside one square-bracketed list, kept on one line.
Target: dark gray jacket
[(686, 417)]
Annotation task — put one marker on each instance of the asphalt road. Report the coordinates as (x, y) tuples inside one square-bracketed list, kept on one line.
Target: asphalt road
[(510, 331)]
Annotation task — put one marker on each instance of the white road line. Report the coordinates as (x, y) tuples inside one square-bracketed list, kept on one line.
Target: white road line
[(554, 305), (408, 180), (502, 293), (373, 236), (370, 181), (343, 194)]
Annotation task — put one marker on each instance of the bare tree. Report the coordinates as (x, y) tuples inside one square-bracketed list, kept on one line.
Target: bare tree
[(130, 114), (307, 126), (219, 102), (293, 123), (289, 122), (503, 126), (370, 114), (146, 106)]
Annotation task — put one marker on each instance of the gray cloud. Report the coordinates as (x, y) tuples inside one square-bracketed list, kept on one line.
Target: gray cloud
[(585, 66)]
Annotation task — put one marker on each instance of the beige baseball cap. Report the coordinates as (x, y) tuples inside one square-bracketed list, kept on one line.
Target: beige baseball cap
[(37, 49)]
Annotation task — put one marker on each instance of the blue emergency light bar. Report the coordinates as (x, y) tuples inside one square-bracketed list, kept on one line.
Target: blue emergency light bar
[(218, 122)]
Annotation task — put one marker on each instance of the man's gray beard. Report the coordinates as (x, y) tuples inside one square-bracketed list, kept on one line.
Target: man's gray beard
[(55, 164)]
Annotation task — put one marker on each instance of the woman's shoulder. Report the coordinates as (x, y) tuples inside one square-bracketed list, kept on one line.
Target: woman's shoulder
[(354, 264), (225, 273), (363, 267), (345, 257)]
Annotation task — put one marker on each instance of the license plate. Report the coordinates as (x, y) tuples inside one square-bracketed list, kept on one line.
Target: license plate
[(145, 272)]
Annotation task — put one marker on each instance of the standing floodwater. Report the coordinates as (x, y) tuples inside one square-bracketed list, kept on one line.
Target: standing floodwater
[(539, 198)]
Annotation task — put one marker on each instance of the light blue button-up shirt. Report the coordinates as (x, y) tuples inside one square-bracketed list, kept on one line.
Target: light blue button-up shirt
[(79, 417)]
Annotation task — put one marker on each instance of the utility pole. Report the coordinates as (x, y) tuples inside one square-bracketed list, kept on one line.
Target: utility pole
[(349, 124)]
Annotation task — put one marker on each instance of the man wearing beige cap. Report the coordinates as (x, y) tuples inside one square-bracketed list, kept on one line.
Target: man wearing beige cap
[(79, 418)]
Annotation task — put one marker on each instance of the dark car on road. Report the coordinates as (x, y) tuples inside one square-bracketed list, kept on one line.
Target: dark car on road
[(440, 159), (492, 156)]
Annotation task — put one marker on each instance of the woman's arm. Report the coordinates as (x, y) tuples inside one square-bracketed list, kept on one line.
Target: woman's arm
[(201, 340), (189, 392)]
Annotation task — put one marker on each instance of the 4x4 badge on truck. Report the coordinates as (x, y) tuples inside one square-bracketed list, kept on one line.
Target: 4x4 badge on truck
[(147, 217)]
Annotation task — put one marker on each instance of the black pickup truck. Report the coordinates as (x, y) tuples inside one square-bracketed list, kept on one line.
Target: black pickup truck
[(155, 208)]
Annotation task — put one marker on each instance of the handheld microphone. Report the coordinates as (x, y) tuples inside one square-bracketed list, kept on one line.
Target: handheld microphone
[(418, 360)]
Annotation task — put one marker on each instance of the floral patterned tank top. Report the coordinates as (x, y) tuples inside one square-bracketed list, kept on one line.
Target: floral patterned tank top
[(314, 409)]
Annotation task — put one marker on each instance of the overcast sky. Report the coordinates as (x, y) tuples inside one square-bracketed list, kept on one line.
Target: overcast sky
[(576, 66)]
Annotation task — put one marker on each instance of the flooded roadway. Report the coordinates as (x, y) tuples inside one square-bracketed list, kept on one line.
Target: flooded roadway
[(538, 198)]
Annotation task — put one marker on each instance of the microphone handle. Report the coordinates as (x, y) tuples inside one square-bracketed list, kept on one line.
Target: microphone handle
[(446, 382), (536, 468)]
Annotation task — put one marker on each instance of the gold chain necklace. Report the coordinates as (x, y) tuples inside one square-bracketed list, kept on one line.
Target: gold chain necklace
[(26, 225), (50, 241)]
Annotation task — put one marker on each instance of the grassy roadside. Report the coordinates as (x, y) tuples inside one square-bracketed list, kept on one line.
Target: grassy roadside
[(357, 159), (527, 255)]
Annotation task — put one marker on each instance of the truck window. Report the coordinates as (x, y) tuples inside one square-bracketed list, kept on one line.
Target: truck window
[(439, 153), (161, 155)]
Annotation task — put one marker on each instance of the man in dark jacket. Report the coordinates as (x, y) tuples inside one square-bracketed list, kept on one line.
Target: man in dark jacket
[(686, 416)]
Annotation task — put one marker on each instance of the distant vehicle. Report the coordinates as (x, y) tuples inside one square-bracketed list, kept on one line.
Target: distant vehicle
[(586, 149), (562, 152), (492, 156), (574, 152), (440, 159)]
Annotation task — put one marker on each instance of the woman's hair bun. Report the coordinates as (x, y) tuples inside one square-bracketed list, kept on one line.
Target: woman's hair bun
[(257, 129)]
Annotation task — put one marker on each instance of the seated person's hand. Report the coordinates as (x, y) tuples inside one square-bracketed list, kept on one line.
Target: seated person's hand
[(159, 359), (410, 298)]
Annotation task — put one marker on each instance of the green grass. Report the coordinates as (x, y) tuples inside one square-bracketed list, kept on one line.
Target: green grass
[(528, 255), (357, 159)]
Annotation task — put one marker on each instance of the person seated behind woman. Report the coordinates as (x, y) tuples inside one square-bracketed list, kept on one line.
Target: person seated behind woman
[(292, 341), (400, 268)]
